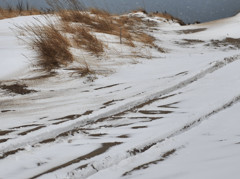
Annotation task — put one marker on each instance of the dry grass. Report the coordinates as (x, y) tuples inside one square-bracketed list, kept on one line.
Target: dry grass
[(101, 21), (168, 16), (99, 12), (51, 46), (75, 16), (83, 70), (84, 39), (145, 39), (95, 19), (76, 28)]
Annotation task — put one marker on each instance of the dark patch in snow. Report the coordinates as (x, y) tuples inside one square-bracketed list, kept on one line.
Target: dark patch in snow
[(189, 42), (70, 117), (99, 151), (74, 131), (191, 31), (98, 135), (2, 133), (222, 140), (144, 104), (47, 141), (41, 163), (86, 91), (146, 165), (28, 125), (31, 130), (59, 122), (17, 89), (67, 118), (169, 105), (109, 103), (145, 119), (82, 167), (3, 140), (107, 86), (115, 126), (123, 136), (102, 119), (127, 87), (12, 152), (139, 127), (182, 73), (143, 149), (229, 43), (152, 112), (172, 76), (87, 113), (5, 111)]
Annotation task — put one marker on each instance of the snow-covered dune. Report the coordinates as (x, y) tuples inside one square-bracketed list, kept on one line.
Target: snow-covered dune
[(174, 115)]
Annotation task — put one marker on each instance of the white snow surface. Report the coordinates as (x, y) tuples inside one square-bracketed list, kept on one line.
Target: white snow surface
[(13, 51), (174, 115)]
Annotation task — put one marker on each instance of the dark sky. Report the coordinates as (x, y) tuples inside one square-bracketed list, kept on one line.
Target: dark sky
[(187, 10)]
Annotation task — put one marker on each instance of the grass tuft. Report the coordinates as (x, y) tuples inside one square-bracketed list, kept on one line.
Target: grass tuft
[(74, 27), (84, 39), (51, 46), (168, 16)]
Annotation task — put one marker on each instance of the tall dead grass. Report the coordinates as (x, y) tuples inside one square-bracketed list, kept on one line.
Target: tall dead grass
[(102, 23), (84, 39), (51, 46), (168, 16), (94, 19), (76, 28)]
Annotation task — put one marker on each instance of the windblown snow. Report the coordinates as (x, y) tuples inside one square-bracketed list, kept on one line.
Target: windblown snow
[(174, 115)]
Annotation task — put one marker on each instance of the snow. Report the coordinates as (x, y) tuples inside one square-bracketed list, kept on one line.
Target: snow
[(209, 151), (172, 116), (12, 51)]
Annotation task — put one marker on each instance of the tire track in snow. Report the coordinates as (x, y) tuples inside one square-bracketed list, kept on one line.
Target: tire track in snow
[(99, 151), (186, 128), (53, 131), (92, 166), (115, 159)]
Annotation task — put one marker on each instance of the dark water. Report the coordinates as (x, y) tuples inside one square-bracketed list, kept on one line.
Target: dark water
[(187, 10)]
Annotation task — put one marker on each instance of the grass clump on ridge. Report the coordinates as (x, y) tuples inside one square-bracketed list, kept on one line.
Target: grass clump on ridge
[(84, 39), (51, 46), (74, 27)]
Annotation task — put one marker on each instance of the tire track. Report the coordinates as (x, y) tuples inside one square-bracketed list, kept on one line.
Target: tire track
[(115, 159), (92, 166), (37, 136), (99, 151)]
